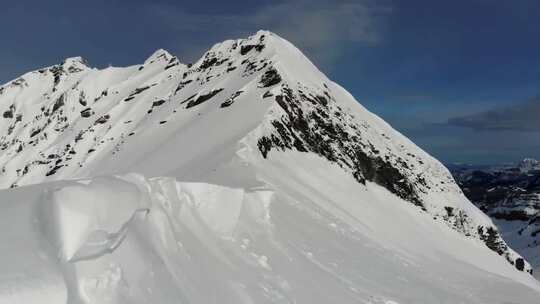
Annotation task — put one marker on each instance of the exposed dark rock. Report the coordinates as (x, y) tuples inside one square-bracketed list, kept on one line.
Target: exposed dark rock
[(87, 112), (182, 84), (492, 240), (8, 114), (270, 77), (103, 119), (520, 264), (172, 63), (208, 62), (57, 72), (34, 132), (79, 136), (250, 68), (202, 98), (25, 170), (267, 94), (188, 99), (19, 82), (316, 132), (244, 49), (231, 99), (136, 92), (157, 103), (449, 211), (58, 103), (82, 99), (53, 170)]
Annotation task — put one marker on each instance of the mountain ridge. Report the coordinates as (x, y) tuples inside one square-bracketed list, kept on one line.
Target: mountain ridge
[(248, 111), (361, 148)]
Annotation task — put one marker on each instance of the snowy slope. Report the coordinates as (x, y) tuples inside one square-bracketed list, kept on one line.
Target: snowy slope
[(128, 239), (279, 183)]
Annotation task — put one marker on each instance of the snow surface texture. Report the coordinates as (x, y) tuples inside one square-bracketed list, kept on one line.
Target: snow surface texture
[(282, 189)]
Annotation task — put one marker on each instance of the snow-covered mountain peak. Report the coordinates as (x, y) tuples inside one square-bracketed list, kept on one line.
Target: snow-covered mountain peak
[(529, 164), (251, 114), (269, 49), (159, 55), (75, 63)]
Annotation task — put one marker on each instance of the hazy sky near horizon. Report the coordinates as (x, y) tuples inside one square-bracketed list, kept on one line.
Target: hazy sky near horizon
[(460, 78)]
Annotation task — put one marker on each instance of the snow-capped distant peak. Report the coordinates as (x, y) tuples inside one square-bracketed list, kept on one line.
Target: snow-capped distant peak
[(529, 164), (75, 64), (159, 54), (77, 60)]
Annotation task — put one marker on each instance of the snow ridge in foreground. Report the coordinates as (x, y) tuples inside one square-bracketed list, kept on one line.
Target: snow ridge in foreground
[(128, 239)]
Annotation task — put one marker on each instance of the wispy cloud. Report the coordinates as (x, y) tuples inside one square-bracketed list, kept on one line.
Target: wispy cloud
[(520, 117), (322, 28), (415, 98)]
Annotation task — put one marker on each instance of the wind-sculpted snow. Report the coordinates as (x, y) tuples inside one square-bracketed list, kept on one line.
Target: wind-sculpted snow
[(128, 239), (114, 239), (278, 177)]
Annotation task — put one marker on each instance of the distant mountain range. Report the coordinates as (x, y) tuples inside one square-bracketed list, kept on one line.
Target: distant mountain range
[(510, 195)]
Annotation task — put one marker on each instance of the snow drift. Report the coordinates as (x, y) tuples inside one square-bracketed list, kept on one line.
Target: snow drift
[(127, 239)]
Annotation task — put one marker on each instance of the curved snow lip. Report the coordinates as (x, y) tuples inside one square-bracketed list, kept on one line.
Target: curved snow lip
[(100, 242), (89, 221), (91, 218)]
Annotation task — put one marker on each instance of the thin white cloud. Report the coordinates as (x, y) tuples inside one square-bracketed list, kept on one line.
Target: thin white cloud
[(323, 29), (520, 117)]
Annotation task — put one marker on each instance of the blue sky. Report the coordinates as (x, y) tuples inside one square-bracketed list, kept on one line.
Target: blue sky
[(460, 78)]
